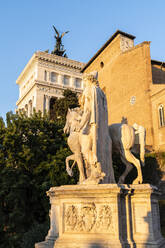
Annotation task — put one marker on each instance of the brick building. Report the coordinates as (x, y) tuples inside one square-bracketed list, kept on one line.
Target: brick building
[(134, 85)]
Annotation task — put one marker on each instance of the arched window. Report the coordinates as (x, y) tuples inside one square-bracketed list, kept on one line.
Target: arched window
[(161, 115), (53, 77), (45, 75)]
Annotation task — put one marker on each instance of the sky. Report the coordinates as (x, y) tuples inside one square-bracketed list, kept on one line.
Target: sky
[(26, 27)]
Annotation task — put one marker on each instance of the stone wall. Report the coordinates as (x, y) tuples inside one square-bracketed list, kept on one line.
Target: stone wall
[(125, 78)]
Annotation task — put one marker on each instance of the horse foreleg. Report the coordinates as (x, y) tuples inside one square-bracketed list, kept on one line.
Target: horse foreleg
[(79, 160), (127, 170), (129, 156), (68, 169)]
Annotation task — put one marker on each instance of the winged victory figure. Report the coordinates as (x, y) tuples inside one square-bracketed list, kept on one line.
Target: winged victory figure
[(58, 47)]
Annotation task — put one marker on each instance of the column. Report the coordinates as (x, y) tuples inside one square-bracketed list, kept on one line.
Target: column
[(26, 109), (30, 108), (44, 104), (47, 103), (34, 101), (73, 82)]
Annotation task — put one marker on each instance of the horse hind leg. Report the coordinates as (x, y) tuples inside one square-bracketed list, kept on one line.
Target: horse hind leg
[(128, 168), (79, 160), (131, 159), (68, 169), (77, 157)]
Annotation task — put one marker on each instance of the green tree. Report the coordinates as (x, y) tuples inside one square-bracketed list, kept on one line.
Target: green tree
[(60, 106), (32, 159)]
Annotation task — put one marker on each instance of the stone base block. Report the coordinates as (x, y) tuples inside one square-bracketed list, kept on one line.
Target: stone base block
[(95, 243), (104, 216), (45, 244)]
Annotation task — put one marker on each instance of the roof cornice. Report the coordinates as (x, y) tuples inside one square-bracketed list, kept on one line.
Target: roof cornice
[(60, 60), (52, 59), (28, 65), (153, 62)]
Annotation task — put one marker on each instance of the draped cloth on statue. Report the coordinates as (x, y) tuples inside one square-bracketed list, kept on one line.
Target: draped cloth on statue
[(102, 142)]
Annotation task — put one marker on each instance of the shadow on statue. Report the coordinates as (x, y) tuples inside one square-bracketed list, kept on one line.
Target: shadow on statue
[(152, 173)]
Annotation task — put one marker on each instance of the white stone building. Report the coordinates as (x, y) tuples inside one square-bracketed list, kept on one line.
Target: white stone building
[(45, 77)]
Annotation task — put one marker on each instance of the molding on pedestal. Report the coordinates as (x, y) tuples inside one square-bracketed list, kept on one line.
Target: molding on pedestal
[(104, 216)]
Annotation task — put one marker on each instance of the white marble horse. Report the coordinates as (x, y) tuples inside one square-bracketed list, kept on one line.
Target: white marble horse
[(72, 119), (123, 140), (81, 147)]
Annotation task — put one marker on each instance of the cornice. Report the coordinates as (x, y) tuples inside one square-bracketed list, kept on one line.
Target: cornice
[(158, 92), (60, 60), (59, 68), (28, 66), (57, 86), (48, 87), (25, 94)]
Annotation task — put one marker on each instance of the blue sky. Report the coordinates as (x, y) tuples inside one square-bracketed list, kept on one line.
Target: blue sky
[(26, 27)]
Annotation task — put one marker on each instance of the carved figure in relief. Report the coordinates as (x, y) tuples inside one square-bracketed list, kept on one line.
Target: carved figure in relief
[(123, 140), (71, 217), (105, 218), (87, 218), (89, 139)]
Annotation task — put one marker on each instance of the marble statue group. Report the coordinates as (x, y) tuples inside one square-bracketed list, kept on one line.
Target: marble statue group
[(98, 212), (91, 139)]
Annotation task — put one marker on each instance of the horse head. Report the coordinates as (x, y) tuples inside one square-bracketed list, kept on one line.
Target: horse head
[(73, 118), (67, 124)]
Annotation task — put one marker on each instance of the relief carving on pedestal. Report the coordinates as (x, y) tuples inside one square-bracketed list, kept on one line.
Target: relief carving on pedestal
[(88, 218), (71, 217), (105, 218)]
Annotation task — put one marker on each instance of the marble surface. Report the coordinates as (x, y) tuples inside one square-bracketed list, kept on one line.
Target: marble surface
[(104, 216)]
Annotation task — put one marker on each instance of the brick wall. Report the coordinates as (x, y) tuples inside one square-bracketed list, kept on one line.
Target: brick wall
[(125, 77)]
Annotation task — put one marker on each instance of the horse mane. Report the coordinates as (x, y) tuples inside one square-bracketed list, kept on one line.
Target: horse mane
[(78, 110)]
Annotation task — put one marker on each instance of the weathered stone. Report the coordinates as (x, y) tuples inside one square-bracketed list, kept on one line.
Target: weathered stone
[(104, 216), (89, 139), (123, 140)]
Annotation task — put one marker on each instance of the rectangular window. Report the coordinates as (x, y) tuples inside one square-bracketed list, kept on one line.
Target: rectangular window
[(77, 83), (53, 77), (66, 80)]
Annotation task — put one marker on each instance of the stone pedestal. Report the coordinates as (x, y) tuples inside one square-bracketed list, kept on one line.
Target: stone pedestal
[(103, 216), (143, 220)]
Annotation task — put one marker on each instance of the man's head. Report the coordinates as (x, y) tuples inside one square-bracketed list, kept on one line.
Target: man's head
[(92, 77)]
